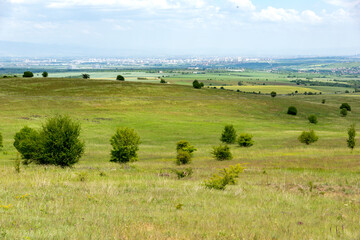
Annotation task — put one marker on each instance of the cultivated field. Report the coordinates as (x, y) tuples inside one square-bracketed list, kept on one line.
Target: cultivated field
[(288, 190)]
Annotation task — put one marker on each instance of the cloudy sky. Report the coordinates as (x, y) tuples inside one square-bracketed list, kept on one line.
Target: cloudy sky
[(180, 27)]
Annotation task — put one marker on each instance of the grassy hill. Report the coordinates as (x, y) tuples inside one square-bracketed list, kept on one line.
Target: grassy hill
[(288, 189)]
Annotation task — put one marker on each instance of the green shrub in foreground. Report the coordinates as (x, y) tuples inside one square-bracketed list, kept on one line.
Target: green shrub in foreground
[(245, 140), (56, 143), (183, 157), (125, 145), (185, 146), (313, 119), (308, 137), (228, 135), (184, 152), (28, 144), (292, 110), (221, 153), (224, 177)]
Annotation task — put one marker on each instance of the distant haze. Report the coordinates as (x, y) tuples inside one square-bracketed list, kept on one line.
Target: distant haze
[(42, 28)]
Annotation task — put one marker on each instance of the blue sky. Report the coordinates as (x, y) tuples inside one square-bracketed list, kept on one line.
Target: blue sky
[(180, 27)]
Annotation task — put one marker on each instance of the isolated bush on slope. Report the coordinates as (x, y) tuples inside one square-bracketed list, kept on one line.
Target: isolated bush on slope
[(125, 143)]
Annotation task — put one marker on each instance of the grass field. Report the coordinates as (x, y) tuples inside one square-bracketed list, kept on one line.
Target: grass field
[(288, 190), (269, 88)]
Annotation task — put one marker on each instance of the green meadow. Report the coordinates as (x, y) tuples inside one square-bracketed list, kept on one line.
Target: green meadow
[(288, 190)]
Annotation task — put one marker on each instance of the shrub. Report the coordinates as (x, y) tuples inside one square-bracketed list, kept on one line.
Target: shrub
[(224, 177), (27, 143), (125, 145), (228, 135), (221, 153), (60, 142), (1, 141), (85, 76), (308, 137), (343, 112), (273, 94), (351, 139), (245, 140), (120, 78), (292, 110), (313, 119), (45, 74), (187, 172), (57, 143), (28, 74), (185, 146), (162, 80), (323, 101), (346, 106), (197, 84), (183, 157)]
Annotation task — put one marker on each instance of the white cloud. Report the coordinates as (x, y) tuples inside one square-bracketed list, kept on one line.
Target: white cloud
[(243, 4), (344, 3), (272, 14)]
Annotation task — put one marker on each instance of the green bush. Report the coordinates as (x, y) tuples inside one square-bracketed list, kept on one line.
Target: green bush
[(308, 137), (85, 76), (162, 80), (60, 142), (228, 135), (28, 74), (197, 84), (45, 74), (1, 141), (185, 146), (183, 157), (224, 177), (346, 106), (28, 144), (125, 145), (245, 140), (221, 153), (120, 78), (351, 137), (57, 143), (292, 110), (313, 119), (323, 101), (273, 94), (187, 172), (343, 112)]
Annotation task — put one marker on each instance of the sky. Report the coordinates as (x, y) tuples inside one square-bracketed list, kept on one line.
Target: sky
[(125, 28)]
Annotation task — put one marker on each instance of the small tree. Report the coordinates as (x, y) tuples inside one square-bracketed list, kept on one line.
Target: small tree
[(343, 112), (184, 152), (273, 94), (125, 145), (228, 135), (221, 153), (245, 140), (120, 78), (197, 84), (162, 80), (346, 106), (351, 139), (28, 144), (313, 119), (308, 137), (28, 74), (45, 74), (292, 110), (85, 76), (323, 101), (60, 143)]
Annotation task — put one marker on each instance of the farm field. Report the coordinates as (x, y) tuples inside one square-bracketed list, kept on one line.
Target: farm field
[(288, 190)]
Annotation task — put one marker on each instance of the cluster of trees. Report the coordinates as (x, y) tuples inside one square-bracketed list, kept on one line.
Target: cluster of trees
[(29, 74)]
